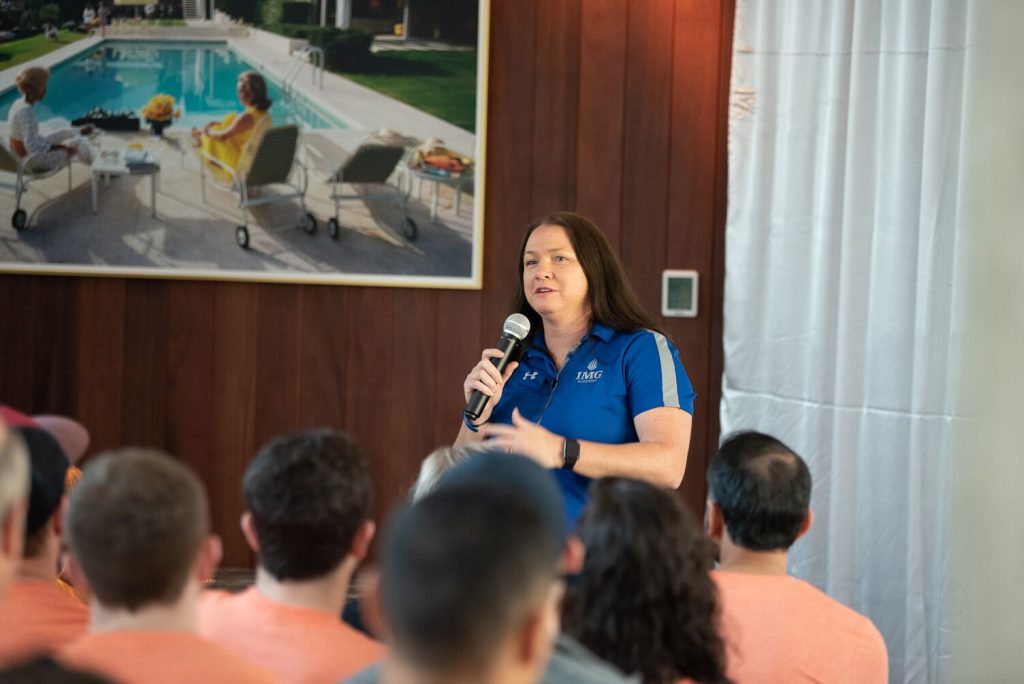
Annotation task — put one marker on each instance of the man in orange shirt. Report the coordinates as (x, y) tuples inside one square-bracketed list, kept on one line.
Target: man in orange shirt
[(308, 498), (778, 628), (39, 616), (138, 528)]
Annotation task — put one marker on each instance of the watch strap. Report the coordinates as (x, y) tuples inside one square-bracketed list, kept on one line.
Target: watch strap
[(570, 454)]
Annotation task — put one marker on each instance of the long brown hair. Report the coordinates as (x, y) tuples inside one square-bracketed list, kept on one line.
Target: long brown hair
[(257, 88), (645, 600), (612, 299)]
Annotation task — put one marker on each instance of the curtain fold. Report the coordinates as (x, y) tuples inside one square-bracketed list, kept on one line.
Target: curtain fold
[(841, 300)]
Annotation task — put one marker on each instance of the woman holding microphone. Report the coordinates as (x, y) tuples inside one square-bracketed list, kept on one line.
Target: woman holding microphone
[(598, 391)]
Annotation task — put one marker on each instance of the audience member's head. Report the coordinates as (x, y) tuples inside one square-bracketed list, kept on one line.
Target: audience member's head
[(70, 434), (138, 525), (644, 600), (308, 504), (43, 523), (759, 493), (469, 584), (14, 488), (435, 465)]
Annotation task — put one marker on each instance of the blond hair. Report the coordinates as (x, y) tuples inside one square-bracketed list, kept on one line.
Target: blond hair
[(32, 79), (436, 464)]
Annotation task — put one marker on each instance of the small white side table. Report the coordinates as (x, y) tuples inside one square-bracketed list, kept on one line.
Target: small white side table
[(457, 182), (112, 162)]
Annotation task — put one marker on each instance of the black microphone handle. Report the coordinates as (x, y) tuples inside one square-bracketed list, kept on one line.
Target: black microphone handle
[(509, 346)]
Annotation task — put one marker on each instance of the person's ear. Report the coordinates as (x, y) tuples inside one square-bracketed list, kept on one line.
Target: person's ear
[(806, 524), (714, 521), (361, 541), (58, 516), (540, 627), (249, 532), (208, 559), (12, 531), (573, 556)]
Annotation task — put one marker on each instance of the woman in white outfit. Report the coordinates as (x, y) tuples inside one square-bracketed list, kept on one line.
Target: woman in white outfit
[(48, 152)]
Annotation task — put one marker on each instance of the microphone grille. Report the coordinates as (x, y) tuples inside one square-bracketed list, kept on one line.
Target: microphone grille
[(517, 325)]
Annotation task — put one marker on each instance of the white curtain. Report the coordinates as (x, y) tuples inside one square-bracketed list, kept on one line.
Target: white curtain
[(842, 308)]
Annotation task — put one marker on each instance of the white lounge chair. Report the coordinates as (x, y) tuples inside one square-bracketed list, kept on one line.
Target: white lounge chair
[(16, 174), (371, 164), (268, 160)]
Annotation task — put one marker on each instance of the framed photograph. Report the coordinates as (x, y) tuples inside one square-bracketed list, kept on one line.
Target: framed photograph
[(314, 148)]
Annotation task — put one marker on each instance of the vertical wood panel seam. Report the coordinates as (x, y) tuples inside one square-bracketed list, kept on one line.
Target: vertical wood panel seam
[(622, 140), (574, 199), (299, 352), (211, 362), (716, 360), (671, 130)]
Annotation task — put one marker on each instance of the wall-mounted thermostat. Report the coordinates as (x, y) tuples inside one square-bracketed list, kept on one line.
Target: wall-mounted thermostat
[(679, 293)]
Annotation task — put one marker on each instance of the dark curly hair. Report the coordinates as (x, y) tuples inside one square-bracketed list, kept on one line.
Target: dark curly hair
[(644, 600)]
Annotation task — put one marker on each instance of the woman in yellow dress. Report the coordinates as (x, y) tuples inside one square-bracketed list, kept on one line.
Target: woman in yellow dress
[(226, 140)]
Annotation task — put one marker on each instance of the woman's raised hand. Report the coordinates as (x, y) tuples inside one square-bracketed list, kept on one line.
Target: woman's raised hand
[(486, 379)]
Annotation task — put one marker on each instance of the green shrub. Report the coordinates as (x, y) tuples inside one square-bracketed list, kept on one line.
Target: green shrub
[(49, 14), (349, 50), (28, 22), (296, 12), (246, 10), (270, 12), (344, 49)]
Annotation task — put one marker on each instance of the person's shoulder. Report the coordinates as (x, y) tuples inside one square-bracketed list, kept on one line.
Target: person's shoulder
[(572, 662), (18, 109), (370, 675), (838, 612), (643, 341)]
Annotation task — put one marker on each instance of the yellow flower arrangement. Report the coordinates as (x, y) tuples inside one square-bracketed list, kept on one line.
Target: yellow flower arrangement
[(160, 108)]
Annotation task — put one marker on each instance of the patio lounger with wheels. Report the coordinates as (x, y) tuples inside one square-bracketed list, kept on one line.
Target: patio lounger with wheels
[(22, 174), (272, 161), (372, 164)]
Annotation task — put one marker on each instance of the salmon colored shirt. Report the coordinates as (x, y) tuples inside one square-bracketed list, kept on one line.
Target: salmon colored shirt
[(781, 629), (141, 657), (39, 616), (302, 645)]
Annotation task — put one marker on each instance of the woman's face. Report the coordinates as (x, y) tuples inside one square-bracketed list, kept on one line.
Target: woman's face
[(244, 94), (553, 279)]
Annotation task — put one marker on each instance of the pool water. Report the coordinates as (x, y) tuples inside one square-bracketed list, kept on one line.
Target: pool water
[(119, 75)]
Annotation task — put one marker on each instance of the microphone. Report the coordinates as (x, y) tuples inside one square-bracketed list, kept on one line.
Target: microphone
[(515, 330)]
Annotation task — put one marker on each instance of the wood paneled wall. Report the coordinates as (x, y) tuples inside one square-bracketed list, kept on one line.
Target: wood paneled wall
[(616, 108)]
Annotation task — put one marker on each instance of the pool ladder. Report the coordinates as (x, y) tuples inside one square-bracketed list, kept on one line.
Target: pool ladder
[(312, 55)]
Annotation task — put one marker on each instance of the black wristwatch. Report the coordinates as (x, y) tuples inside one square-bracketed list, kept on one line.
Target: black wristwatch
[(570, 454)]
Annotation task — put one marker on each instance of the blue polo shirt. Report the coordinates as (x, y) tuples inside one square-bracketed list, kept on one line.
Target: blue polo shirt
[(608, 379)]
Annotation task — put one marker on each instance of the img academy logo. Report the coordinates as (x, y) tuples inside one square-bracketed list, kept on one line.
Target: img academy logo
[(591, 374)]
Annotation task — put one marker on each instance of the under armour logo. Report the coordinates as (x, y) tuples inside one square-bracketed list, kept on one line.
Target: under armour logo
[(530, 375)]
